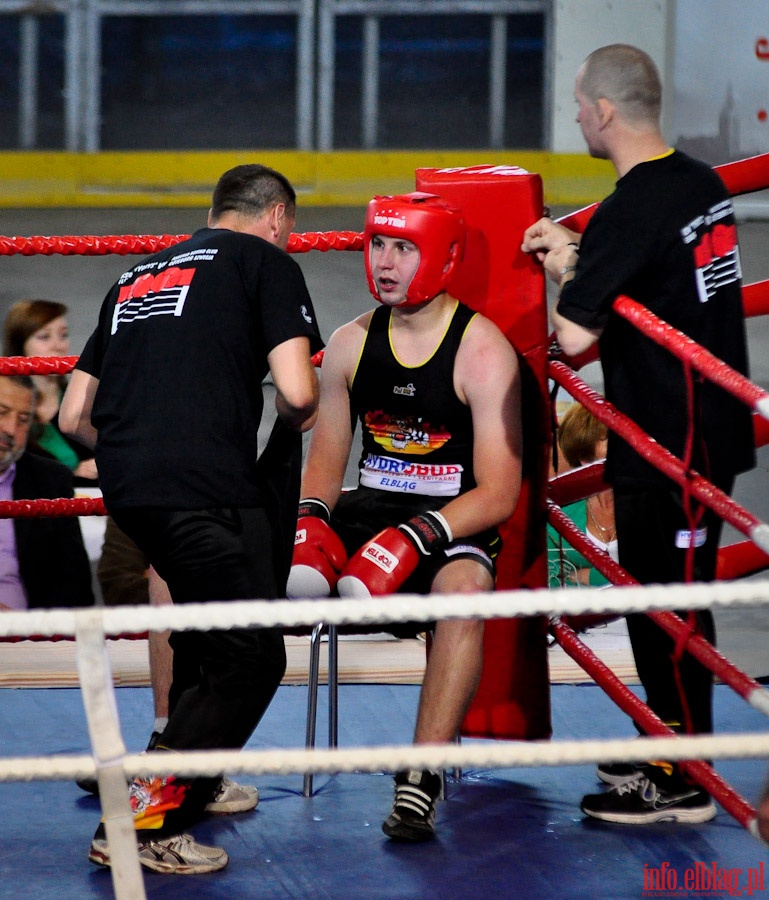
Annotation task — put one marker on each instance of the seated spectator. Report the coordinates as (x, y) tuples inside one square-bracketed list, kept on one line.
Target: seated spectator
[(43, 561), (39, 328), (581, 440)]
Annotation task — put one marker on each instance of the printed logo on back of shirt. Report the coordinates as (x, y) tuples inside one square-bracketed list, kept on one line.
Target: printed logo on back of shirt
[(716, 255), (162, 293)]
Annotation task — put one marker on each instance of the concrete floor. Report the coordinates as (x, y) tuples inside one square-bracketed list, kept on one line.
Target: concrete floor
[(337, 285)]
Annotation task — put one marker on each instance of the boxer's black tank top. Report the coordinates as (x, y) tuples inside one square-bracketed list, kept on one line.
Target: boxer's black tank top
[(417, 434)]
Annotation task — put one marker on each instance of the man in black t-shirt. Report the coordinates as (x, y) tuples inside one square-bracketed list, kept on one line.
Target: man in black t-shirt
[(666, 237), (168, 391)]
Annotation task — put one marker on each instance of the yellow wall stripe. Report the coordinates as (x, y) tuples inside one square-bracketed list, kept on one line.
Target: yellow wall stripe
[(344, 178)]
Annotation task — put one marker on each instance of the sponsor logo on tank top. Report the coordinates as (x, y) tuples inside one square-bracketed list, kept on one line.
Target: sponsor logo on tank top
[(404, 434), (387, 474), (407, 390), (684, 538)]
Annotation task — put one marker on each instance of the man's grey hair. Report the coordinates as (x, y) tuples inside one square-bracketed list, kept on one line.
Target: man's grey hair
[(628, 77)]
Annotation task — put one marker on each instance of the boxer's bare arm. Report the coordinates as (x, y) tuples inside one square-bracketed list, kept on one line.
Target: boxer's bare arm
[(331, 439), (487, 378)]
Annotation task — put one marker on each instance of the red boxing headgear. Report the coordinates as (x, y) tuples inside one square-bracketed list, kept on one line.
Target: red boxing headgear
[(434, 226)]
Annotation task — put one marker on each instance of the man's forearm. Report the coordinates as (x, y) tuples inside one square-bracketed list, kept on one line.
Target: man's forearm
[(300, 418), (572, 338)]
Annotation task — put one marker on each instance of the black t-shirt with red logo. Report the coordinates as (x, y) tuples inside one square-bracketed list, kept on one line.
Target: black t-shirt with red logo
[(180, 352), (666, 238)]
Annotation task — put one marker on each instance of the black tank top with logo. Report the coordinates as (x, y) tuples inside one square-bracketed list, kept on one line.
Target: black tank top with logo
[(417, 434)]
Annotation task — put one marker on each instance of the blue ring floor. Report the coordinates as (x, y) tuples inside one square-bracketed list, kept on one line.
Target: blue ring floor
[(511, 833)]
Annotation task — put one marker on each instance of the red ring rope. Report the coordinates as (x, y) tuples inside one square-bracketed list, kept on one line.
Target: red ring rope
[(627, 701), (654, 453), (740, 177), (688, 350), (126, 244), (704, 652)]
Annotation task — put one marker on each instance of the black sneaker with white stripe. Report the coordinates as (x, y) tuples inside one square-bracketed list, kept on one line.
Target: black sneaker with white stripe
[(413, 814), (652, 796)]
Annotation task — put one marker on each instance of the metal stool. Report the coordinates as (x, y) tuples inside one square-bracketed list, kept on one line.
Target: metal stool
[(316, 639)]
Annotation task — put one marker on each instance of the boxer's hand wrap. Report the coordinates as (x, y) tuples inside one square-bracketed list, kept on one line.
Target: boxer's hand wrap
[(311, 506), (427, 532)]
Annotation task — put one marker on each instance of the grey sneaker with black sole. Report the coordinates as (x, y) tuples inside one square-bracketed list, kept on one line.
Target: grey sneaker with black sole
[(230, 798), (179, 854)]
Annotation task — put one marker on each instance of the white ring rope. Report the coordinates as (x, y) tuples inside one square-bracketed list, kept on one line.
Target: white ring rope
[(488, 755), (92, 624), (395, 608)]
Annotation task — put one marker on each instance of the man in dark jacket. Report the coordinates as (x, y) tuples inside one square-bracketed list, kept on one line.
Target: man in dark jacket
[(43, 561)]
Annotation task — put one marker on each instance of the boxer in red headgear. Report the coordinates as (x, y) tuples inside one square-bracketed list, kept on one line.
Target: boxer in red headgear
[(434, 227), (435, 388)]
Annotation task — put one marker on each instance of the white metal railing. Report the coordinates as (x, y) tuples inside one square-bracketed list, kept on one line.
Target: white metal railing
[(373, 11), (83, 23), (28, 63)]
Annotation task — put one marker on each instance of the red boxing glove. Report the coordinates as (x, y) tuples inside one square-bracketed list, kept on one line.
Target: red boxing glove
[(319, 554), (383, 564)]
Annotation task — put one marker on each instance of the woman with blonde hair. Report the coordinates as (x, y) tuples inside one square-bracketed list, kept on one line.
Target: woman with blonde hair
[(581, 440)]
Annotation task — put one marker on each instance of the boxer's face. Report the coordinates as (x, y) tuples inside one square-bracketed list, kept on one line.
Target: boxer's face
[(16, 414), (394, 262)]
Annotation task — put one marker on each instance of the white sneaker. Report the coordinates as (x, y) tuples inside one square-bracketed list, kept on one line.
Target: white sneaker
[(179, 854), (230, 797)]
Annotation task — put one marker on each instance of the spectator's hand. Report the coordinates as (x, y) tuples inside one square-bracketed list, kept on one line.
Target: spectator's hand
[(87, 469), (546, 235), (4, 608)]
